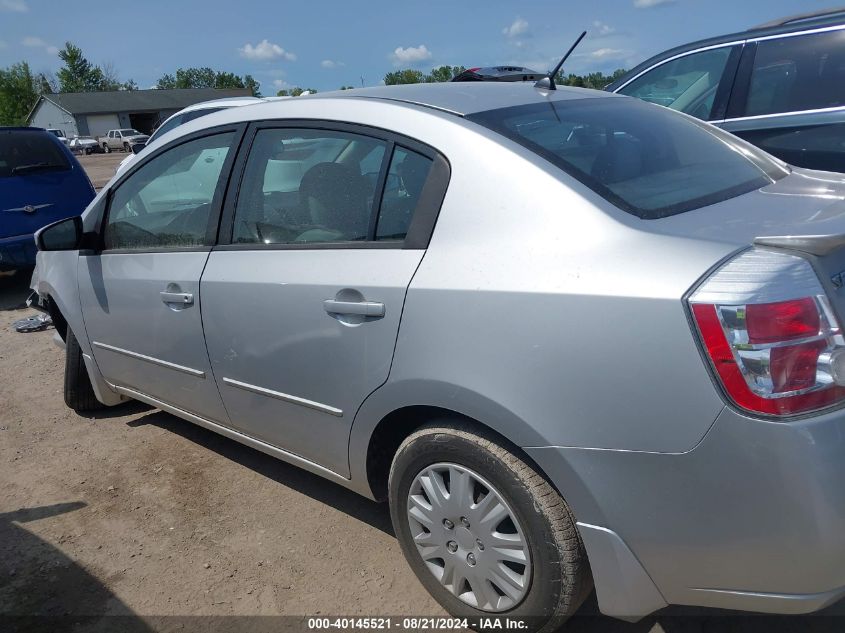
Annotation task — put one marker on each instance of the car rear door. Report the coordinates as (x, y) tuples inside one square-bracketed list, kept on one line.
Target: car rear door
[(789, 98), (140, 293), (302, 307)]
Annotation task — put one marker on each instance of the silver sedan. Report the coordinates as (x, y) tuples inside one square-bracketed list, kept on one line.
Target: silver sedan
[(575, 339)]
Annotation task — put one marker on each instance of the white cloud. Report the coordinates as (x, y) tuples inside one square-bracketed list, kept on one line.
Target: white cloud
[(411, 55), (647, 4), (330, 63), (264, 51), (278, 84), (14, 6), (602, 29), (517, 28), (30, 41), (608, 53)]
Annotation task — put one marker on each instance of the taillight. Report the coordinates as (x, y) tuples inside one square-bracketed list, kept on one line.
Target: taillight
[(771, 335)]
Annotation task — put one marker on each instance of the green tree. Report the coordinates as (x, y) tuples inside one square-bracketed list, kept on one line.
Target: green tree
[(78, 74), (444, 73), (347, 87), (207, 78), (596, 80), (407, 76), (18, 93), (295, 92)]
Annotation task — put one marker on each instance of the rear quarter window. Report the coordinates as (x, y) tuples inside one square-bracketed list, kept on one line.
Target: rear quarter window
[(29, 151), (645, 159)]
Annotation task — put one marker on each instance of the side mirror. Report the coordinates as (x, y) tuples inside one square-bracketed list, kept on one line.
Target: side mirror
[(64, 235), (137, 148)]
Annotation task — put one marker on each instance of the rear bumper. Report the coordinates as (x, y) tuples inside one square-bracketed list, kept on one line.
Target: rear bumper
[(17, 252), (753, 518)]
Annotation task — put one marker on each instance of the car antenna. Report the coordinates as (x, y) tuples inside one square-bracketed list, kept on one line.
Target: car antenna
[(548, 82)]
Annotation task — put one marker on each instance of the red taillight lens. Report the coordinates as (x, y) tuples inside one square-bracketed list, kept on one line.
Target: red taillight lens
[(776, 357), (782, 321)]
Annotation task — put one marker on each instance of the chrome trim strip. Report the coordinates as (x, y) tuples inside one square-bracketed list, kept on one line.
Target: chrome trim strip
[(317, 406), (678, 56), (762, 38), (822, 29), (232, 434), (155, 361), (777, 114)]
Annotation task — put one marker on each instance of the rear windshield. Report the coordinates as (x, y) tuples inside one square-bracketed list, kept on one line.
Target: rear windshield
[(645, 159), (24, 152)]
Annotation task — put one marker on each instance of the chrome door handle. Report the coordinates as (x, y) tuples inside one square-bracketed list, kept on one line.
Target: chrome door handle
[(363, 308), (183, 298)]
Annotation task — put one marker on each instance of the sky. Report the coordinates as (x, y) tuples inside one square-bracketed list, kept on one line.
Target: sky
[(325, 44)]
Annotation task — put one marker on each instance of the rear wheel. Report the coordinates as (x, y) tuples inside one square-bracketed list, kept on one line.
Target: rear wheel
[(79, 395), (483, 531)]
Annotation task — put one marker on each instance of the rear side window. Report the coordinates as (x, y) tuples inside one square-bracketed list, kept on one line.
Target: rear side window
[(648, 161), (805, 72), (25, 152), (406, 177), (308, 186), (687, 84)]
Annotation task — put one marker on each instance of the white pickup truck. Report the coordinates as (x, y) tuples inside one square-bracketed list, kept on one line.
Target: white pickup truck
[(121, 139)]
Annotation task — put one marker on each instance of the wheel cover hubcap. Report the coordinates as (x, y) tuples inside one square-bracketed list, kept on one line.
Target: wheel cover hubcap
[(468, 537)]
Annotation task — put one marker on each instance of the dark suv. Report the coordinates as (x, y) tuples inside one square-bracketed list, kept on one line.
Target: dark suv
[(780, 86)]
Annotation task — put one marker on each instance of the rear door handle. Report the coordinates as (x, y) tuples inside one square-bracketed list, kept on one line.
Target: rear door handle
[(363, 308), (182, 298)]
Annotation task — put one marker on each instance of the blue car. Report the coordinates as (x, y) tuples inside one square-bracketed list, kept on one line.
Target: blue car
[(40, 182)]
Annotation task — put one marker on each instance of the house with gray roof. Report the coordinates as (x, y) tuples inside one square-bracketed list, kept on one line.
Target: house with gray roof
[(95, 113)]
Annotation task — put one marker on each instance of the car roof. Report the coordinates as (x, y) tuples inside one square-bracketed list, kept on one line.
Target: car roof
[(464, 98), (225, 102), (796, 24)]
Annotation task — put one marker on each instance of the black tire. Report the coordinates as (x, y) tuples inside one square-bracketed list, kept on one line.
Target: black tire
[(79, 395), (126, 148), (106, 148), (560, 575)]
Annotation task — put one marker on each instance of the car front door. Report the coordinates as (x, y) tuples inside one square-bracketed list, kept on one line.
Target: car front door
[(140, 294), (302, 308), (789, 99)]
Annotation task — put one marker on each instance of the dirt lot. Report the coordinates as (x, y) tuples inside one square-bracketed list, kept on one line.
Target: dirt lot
[(138, 515), (101, 167)]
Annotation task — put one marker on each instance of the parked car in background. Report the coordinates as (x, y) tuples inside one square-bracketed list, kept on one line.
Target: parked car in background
[(59, 134), (188, 114), (499, 73), (620, 358), (84, 145), (122, 139), (40, 182), (780, 86)]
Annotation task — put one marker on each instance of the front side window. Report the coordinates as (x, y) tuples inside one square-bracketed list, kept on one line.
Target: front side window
[(645, 160), (167, 202), (687, 84), (804, 72), (308, 186)]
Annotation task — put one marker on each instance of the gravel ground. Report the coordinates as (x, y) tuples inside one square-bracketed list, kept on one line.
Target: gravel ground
[(101, 167), (162, 525)]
